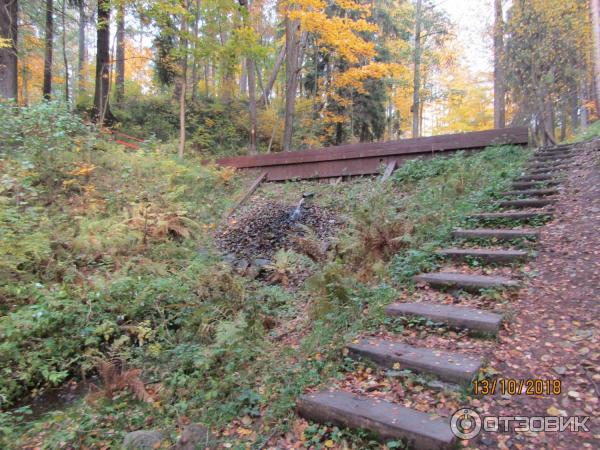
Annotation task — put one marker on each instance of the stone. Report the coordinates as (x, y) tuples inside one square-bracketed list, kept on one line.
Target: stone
[(143, 440), (531, 192), (195, 437), (456, 316), (464, 281), (526, 203), (389, 421), (447, 366), (488, 256)]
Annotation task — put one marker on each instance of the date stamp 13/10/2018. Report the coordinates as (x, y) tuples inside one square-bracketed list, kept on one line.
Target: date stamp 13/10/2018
[(511, 386)]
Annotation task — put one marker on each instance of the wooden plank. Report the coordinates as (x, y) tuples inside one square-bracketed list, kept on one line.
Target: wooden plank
[(389, 169), (433, 144), (250, 191)]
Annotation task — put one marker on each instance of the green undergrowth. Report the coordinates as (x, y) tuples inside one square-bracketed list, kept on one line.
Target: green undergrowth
[(107, 255)]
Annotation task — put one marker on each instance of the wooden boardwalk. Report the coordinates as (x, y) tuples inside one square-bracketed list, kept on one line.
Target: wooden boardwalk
[(369, 158)]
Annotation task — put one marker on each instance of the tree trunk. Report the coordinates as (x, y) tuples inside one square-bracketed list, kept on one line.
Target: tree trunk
[(595, 11), (563, 120), (548, 123), (101, 112), (8, 53), (417, 74), (499, 83), (120, 60), (24, 83), (184, 61), (64, 48), (82, 52), (292, 51), (251, 74), (273, 77), (243, 80), (583, 95), (49, 39), (195, 64)]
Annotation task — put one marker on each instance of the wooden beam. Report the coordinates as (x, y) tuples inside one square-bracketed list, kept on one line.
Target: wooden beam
[(248, 193), (389, 169)]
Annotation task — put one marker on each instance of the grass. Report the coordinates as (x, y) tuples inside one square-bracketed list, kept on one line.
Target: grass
[(108, 254)]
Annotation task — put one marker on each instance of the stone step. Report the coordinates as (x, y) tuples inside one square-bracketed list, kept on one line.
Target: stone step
[(455, 316), (511, 215), (532, 192), (486, 255), (464, 281), (389, 421), (447, 366), (538, 177), (533, 184), (526, 203), (500, 234), (553, 171)]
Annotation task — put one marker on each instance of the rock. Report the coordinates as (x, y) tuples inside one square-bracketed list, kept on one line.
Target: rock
[(261, 263), (229, 258), (241, 266), (195, 437), (143, 440)]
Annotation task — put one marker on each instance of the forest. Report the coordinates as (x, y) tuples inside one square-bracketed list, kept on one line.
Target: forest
[(149, 300), (226, 77)]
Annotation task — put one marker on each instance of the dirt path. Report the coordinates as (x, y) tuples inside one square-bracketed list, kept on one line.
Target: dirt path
[(555, 333)]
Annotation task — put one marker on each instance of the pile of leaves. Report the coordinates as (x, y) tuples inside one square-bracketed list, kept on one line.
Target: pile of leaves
[(266, 227)]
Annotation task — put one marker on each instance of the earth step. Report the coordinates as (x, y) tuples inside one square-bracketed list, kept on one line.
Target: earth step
[(456, 316), (500, 234), (464, 281), (511, 216), (451, 367), (533, 184), (532, 192), (489, 256), (388, 420), (538, 177), (526, 203)]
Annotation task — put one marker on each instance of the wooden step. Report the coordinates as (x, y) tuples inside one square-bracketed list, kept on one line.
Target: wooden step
[(551, 158), (512, 215), (532, 192), (486, 255), (500, 234), (526, 203), (455, 316), (389, 421), (560, 152), (534, 184), (556, 169), (465, 281), (538, 177), (447, 366), (555, 147), (548, 166)]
